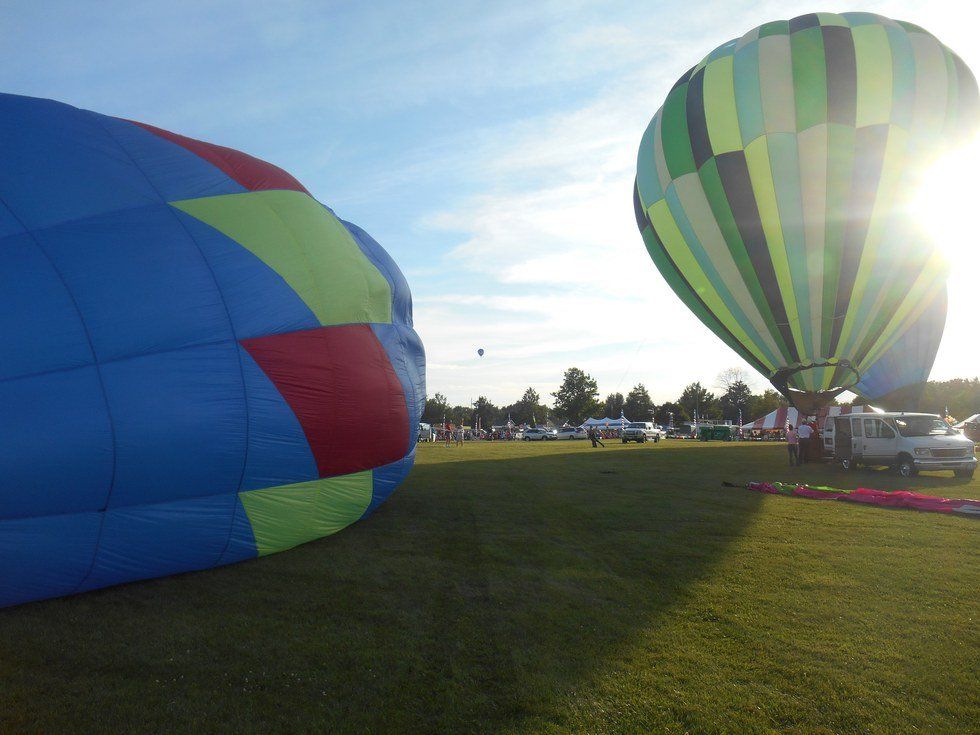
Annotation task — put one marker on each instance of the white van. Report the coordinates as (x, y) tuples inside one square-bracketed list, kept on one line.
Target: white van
[(907, 441)]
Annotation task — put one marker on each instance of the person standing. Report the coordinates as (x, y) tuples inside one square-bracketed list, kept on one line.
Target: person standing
[(594, 436), (804, 432), (793, 445), (447, 429)]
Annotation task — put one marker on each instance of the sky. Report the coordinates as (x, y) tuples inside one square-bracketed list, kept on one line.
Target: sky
[(489, 147)]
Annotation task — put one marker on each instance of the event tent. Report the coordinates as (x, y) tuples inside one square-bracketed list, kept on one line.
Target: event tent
[(607, 423), (782, 416)]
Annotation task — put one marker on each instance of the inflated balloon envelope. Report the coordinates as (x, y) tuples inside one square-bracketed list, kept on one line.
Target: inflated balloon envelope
[(200, 362), (773, 192)]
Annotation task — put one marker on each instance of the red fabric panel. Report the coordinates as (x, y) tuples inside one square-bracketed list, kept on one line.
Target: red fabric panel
[(251, 172), (344, 392)]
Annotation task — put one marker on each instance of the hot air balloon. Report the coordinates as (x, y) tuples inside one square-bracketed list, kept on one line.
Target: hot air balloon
[(188, 336), (772, 190), (480, 352)]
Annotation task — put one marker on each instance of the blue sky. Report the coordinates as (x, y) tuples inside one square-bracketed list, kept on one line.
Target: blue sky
[(490, 147)]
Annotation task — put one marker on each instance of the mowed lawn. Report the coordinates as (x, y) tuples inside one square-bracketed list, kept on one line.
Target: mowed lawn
[(547, 588)]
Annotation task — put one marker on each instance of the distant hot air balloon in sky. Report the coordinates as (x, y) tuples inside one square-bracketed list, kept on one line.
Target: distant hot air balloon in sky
[(772, 192), (480, 352), (188, 337)]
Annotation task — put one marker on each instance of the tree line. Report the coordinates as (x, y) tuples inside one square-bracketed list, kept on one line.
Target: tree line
[(577, 399)]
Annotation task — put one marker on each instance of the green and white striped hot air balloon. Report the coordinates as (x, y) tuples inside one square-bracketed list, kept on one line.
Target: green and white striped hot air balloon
[(773, 186)]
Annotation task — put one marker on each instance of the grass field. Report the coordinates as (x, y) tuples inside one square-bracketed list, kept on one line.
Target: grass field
[(552, 588)]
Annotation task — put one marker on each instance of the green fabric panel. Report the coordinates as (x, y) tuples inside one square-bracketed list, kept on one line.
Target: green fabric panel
[(812, 147), (748, 96), (776, 84), (775, 28), (289, 515), (929, 108), (696, 221), (677, 144), (305, 244), (809, 78), (647, 180), (686, 295), (903, 76), (715, 193), (784, 163), (832, 19), (913, 28), (926, 287), (873, 57), (719, 106), (863, 19), (677, 248), (764, 189), (749, 38), (898, 263), (873, 270), (840, 166), (726, 49), (660, 158)]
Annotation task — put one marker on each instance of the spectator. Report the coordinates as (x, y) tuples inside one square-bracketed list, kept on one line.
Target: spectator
[(792, 444), (804, 433)]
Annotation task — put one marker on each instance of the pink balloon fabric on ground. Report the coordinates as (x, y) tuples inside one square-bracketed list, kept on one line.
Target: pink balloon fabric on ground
[(868, 496)]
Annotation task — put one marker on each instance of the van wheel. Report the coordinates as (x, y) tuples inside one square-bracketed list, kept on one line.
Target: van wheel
[(625, 440), (968, 474), (906, 468)]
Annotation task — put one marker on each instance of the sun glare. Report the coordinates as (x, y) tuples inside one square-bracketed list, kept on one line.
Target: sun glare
[(946, 205)]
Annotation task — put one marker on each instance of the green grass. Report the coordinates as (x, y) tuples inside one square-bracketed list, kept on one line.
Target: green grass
[(552, 588)]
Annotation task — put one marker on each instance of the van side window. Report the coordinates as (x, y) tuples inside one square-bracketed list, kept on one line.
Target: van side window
[(877, 429)]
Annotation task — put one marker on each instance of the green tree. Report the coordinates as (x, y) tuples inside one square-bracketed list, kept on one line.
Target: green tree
[(575, 400), (436, 408), (459, 415), (638, 405), (528, 410), (666, 411), (613, 405), (735, 401), (698, 401), (763, 404), (485, 414)]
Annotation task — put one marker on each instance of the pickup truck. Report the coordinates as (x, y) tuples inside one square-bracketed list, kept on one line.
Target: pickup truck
[(641, 431)]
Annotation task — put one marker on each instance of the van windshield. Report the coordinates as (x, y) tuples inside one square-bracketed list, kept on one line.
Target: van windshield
[(636, 425), (922, 426)]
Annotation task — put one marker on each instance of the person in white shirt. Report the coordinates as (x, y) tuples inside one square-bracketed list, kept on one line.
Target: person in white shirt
[(805, 432)]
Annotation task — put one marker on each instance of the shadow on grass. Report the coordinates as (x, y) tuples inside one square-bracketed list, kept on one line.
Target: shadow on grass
[(481, 597)]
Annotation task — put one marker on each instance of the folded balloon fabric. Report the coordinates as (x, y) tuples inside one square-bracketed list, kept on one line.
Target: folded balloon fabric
[(884, 498)]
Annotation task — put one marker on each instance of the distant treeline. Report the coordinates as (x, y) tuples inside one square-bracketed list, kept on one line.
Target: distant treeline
[(577, 398), (959, 396)]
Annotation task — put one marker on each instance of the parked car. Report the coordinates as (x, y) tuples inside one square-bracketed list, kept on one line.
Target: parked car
[(909, 442), (641, 431), (536, 435), (572, 432)]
